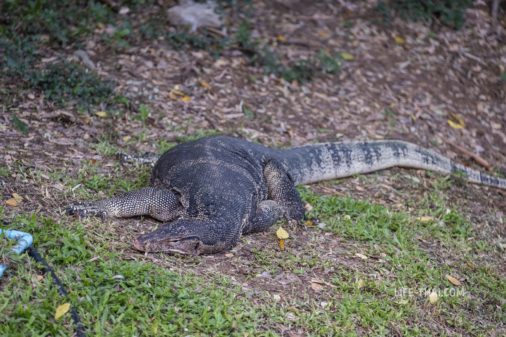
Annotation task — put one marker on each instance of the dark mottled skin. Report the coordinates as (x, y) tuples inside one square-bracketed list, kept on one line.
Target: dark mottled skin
[(213, 190)]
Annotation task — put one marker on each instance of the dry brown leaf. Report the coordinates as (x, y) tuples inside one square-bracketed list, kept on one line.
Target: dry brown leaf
[(453, 280), (205, 85), (17, 197), (316, 286), (362, 256), (101, 114), (11, 202)]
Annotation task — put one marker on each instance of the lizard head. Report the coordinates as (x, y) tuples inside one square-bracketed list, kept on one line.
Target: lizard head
[(184, 236)]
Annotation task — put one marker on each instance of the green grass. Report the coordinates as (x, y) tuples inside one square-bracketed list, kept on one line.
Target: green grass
[(386, 293), (114, 297)]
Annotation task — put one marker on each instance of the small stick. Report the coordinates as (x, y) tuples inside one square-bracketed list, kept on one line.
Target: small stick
[(473, 155)]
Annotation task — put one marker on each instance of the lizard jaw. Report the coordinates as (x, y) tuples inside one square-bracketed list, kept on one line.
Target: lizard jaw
[(183, 245)]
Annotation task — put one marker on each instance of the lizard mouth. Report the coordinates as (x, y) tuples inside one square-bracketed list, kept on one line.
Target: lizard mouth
[(183, 245)]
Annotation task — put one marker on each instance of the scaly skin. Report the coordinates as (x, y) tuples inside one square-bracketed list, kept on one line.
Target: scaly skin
[(213, 190)]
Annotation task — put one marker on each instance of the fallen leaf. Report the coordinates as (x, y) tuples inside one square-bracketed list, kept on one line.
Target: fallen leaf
[(433, 297), (309, 223), (186, 99), (456, 121), (101, 114), (281, 38), (425, 219), (308, 207), (61, 310), (360, 283), (176, 94), (17, 197), (316, 286), (453, 280), (11, 202), (362, 256), (399, 40), (347, 56), (126, 138), (282, 244), (282, 234), (205, 85)]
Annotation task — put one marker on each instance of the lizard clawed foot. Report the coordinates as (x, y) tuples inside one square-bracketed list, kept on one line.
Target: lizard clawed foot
[(85, 210), (147, 158)]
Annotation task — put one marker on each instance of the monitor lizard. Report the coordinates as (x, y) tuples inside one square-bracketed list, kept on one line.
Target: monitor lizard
[(211, 191)]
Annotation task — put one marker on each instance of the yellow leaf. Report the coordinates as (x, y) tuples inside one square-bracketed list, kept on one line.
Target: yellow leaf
[(11, 202), (309, 223), (281, 38), (453, 280), (360, 283), (456, 121), (282, 244), (433, 297), (347, 56), (282, 234), (61, 310), (399, 40), (186, 99), (177, 94), (425, 219), (126, 138), (101, 114)]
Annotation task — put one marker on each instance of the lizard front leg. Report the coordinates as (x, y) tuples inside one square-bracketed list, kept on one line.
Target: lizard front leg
[(281, 189), (158, 203)]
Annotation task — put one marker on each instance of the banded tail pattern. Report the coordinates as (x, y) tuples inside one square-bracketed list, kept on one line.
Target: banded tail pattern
[(312, 163)]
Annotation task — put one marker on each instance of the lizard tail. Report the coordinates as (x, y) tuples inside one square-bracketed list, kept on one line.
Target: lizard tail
[(312, 163)]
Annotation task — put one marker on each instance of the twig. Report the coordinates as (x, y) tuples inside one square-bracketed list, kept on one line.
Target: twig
[(473, 155)]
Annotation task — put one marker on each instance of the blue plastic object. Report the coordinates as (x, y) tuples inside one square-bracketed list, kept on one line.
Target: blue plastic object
[(24, 240)]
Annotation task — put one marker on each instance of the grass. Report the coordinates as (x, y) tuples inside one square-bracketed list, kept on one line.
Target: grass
[(448, 12), (116, 296)]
